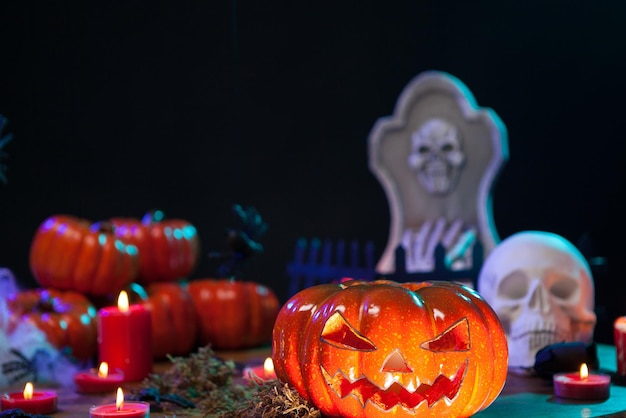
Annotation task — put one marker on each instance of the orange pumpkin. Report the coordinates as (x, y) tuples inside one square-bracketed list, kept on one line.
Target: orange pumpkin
[(169, 249), (70, 253), (174, 323), (381, 348), (233, 314), (67, 318)]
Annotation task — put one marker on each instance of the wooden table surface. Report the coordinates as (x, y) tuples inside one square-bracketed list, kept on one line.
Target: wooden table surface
[(72, 404), (522, 396), (530, 396)]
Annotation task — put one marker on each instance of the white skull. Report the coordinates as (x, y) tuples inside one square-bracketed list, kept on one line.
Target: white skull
[(542, 290), (436, 156)]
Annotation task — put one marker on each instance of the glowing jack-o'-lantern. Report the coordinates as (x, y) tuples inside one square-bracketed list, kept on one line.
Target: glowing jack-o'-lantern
[(381, 348)]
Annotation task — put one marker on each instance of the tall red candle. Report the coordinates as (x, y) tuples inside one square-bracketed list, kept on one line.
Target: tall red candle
[(125, 339), (619, 333)]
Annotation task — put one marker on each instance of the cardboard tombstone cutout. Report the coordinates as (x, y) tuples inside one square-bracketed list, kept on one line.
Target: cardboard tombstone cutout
[(541, 288), (437, 158)]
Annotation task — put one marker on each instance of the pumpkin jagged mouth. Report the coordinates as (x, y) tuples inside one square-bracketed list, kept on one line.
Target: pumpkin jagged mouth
[(396, 394)]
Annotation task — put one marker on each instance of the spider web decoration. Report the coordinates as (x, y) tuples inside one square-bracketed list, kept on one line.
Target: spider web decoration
[(23, 366), (242, 242), (4, 140), (26, 355)]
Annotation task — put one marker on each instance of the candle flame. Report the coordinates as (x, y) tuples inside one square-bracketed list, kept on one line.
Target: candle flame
[(28, 391), (103, 371), (119, 399), (122, 301), (584, 371), (268, 367)]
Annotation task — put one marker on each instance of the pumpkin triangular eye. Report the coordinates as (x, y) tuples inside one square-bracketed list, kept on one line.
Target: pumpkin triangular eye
[(340, 334), (455, 338)]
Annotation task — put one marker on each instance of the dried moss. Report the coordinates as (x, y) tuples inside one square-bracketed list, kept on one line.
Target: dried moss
[(209, 382), (274, 399)]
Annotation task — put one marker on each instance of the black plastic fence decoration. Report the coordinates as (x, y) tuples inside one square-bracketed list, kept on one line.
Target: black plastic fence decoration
[(317, 263)]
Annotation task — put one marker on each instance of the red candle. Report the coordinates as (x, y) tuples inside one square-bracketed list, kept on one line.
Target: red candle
[(30, 401), (121, 409), (582, 385), (261, 372), (125, 339), (98, 381), (619, 334)]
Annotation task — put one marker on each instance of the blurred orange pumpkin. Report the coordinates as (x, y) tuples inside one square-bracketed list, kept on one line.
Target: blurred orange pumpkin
[(67, 318), (169, 249), (70, 253), (174, 323), (233, 314)]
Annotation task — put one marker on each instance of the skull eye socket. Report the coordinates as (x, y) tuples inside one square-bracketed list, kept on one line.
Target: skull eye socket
[(340, 334), (514, 286), (455, 338), (564, 288), (447, 148)]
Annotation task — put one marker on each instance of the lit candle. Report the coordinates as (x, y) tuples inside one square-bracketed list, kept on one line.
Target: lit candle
[(30, 401), (98, 381), (582, 385), (619, 334), (125, 338), (260, 372), (121, 409)]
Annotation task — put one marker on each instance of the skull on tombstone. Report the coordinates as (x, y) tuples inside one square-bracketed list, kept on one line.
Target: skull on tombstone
[(436, 156), (542, 290)]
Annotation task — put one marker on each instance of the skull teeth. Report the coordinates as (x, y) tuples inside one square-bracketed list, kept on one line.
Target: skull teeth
[(539, 339), (537, 335)]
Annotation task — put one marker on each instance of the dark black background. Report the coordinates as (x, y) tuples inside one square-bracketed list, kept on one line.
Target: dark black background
[(123, 106)]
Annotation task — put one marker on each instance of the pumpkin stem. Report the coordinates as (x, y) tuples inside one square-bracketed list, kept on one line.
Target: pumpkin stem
[(102, 226), (139, 290), (153, 216), (45, 303)]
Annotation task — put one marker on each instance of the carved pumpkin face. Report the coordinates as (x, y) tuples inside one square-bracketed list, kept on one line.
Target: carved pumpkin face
[(367, 349)]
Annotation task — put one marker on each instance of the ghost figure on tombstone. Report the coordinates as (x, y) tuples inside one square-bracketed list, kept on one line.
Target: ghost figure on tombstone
[(541, 288), (437, 158)]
